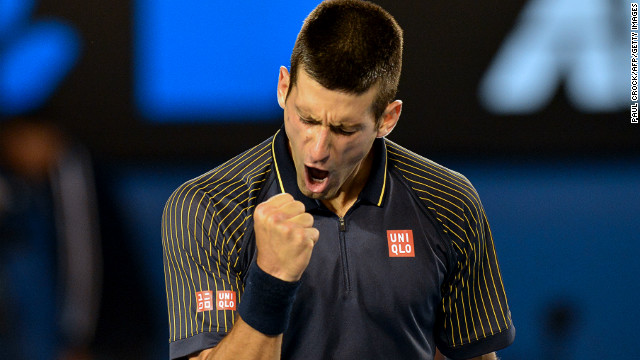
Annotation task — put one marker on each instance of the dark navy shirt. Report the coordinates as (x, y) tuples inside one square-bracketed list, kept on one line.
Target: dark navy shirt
[(410, 266)]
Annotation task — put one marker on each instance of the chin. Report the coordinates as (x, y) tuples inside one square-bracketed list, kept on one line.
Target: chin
[(316, 196)]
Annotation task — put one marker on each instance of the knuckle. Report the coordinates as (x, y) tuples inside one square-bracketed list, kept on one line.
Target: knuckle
[(259, 209), (309, 218), (287, 229), (262, 210), (298, 234), (274, 218), (299, 206)]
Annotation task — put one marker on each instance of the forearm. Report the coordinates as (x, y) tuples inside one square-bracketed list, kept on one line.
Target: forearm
[(490, 356), (244, 342)]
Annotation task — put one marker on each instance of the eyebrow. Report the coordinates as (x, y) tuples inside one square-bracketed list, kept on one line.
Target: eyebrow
[(306, 114)]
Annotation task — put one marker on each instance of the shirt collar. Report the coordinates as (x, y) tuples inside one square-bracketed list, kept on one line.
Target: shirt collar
[(373, 192)]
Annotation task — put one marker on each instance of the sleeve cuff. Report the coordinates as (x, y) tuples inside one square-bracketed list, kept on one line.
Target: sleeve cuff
[(483, 346), (181, 349)]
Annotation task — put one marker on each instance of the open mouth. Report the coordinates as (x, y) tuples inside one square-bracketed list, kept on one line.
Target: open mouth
[(317, 175), (316, 180)]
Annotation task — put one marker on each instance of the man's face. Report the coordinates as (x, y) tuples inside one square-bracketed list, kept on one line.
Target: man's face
[(330, 134)]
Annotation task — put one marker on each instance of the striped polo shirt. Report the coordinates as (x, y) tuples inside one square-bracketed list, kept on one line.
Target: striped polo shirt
[(411, 265)]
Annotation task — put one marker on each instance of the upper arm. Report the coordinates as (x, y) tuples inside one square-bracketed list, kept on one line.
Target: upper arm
[(197, 268), (474, 317)]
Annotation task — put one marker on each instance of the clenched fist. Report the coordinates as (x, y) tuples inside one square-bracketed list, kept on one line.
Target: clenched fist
[(284, 237)]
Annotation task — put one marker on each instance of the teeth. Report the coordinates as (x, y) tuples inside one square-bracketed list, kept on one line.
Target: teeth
[(318, 180)]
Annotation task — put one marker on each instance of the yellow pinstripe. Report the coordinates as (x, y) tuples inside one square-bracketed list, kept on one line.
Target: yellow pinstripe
[(484, 277), (453, 338), (455, 305), (170, 265), (434, 188), (218, 214), (504, 293), (433, 172), (384, 179), (276, 164), (454, 178), (215, 279), (473, 322), (167, 271)]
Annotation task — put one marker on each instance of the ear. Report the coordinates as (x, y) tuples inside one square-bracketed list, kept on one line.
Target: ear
[(283, 85), (390, 118)]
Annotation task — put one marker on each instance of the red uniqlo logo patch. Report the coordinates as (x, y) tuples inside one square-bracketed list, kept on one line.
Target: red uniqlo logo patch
[(400, 243), (225, 300), (204, 300)]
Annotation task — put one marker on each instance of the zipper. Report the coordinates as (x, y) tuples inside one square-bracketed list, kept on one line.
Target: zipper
[(342, 229)]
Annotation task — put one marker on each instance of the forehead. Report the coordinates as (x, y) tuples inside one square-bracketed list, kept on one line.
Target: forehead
[(318, 101)]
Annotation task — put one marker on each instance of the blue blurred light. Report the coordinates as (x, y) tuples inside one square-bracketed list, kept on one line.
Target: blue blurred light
[(34, 63), (212, 60), (12, 14), (575, 42)]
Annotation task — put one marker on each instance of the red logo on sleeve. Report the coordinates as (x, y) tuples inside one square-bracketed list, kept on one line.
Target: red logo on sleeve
[(400, 243), (225, 300), (204, 300)]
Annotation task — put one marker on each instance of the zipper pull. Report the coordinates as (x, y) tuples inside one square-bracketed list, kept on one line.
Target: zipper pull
[(343, 227)]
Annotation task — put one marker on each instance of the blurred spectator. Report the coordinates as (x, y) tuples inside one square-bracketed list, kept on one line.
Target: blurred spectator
[(50, 262)]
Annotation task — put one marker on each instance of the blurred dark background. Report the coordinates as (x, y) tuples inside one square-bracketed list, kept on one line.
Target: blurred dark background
[(528, 99)]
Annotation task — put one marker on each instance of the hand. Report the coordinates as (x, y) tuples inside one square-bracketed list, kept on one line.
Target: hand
[(285, 237)]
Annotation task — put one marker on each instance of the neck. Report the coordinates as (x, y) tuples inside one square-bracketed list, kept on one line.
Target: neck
[(348, 193)]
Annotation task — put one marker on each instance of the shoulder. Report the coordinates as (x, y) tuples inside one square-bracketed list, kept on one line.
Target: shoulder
[(446, 193), (428, 176), (238, 180)]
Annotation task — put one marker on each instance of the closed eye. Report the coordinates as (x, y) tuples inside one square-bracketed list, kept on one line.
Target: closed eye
[(336, 129), (342, 131), (307, 121)]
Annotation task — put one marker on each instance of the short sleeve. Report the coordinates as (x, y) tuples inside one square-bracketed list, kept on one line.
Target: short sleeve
[(202, 287), (474, 316)]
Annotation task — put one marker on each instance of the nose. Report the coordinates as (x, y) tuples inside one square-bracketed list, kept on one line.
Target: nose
[(320, 144)]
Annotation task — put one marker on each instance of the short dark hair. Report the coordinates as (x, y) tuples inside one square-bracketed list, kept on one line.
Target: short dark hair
[(350, 45)]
